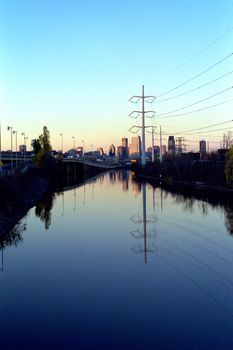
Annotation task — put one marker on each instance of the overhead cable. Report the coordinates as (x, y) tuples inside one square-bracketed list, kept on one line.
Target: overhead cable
[(195, 103), (194, 89), (197, 110), (192, 58), (204, 127), (195, 76), (207, 131)]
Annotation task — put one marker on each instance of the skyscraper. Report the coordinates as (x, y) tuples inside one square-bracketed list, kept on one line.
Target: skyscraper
[(125, 149), (135, 146), (202, 149), (171, 147), (112, 151)]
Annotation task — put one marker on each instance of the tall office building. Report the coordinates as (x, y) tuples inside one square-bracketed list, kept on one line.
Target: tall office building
[(135, 146), (171, 147), (202, 149), (125, 148), (164, 150), (112, 151), (119, 152)]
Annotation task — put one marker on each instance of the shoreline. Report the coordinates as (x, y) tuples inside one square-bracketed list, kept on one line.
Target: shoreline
[(198, 186), (29, 196)]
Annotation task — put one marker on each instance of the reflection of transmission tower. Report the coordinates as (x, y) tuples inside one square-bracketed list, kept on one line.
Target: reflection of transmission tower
[(143, 234)]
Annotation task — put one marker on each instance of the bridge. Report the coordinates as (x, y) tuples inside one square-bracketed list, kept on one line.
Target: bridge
[(75, 168), (93, 163)]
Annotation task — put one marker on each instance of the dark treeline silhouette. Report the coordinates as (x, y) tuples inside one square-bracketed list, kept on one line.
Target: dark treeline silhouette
[(210, 172)]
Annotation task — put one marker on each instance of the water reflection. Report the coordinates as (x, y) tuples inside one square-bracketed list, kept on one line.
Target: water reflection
[(229, 217), (141, 233), (120, 248), (12, 238), (43, 209), (190, 198)]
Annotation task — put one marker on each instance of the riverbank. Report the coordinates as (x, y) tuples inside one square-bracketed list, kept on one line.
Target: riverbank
[(19, 193), (197, 186), (198, 176)]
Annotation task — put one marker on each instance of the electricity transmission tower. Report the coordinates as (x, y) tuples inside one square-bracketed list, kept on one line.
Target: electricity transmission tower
[(143, 113)]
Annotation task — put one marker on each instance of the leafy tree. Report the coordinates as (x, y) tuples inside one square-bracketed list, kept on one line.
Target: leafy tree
[(44, 140), (43, 149), (37, 146), (229, 165)]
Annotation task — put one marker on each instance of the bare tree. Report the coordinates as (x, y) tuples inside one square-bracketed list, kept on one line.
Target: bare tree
[(227, 141)]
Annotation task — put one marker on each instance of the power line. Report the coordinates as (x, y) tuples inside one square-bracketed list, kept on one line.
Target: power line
[(197, 102), (194, 89), (192, 58), (197, 141), (195, 76), (197, 110), (204, 127), (207, 131)]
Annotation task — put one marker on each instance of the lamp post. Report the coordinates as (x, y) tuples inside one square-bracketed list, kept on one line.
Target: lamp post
[(83, 146), (24, 142), (61, 134), (73, 142), (16, 147), (10, 128)]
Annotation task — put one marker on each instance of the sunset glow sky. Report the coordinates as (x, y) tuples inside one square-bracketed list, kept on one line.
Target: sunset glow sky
[(72, 65)]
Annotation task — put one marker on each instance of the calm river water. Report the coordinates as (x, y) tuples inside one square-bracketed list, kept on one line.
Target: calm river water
[(118, 264)]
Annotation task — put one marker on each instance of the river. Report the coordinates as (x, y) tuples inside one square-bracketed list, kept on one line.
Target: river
[(118, 264)]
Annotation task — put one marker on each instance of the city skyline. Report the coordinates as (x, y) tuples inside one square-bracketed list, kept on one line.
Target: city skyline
[(73, 67)]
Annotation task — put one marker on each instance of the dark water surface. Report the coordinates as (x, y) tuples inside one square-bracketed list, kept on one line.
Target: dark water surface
[(116, 264)]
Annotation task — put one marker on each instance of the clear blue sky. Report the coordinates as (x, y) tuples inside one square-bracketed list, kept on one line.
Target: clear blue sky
[(72, 65)]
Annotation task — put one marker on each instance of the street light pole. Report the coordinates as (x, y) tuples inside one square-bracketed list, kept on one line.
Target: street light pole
[(24, 142), (61, 134), (83, 146), (16, 147), (10, 128), (73, 141)]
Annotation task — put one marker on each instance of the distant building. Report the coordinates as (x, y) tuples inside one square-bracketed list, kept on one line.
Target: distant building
[(156, 151), (100, 151), (79, 151), (171, 147), (202, 149), (135, 146), (164, 150), (112, 151), (22, 149), (119, 152), (179, 146), (125, 148)]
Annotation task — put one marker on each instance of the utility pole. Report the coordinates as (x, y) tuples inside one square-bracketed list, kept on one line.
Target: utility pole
[(10, 128), (160, 143), (143, 113), (16, 148), (152, 141)]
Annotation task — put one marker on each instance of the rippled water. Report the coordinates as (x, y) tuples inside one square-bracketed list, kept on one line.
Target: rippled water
[(118, 264)]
